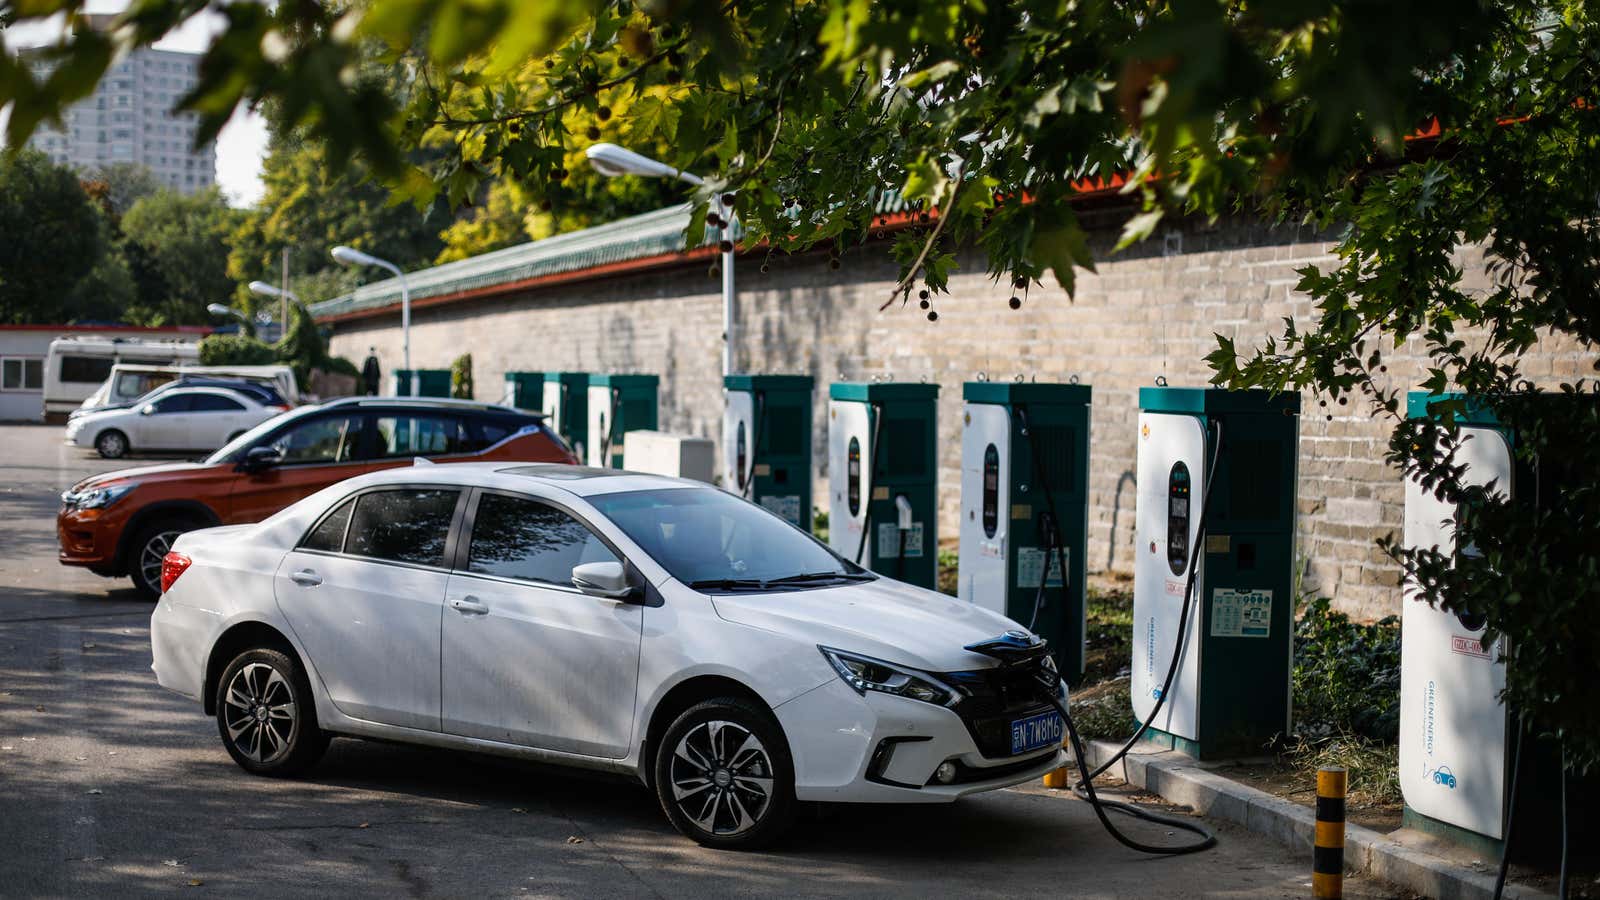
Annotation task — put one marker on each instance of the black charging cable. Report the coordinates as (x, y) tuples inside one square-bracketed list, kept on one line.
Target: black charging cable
[(866, 496), (1511, 813), (748, 477), (1183, 617), (1053, 530)]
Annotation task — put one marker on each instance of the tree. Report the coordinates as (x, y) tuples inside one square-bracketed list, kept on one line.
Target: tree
[(177, 246), (1409, 127), (54, 239)]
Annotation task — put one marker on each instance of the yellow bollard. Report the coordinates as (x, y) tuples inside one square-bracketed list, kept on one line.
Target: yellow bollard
[(1327, 864), (1057, 778)]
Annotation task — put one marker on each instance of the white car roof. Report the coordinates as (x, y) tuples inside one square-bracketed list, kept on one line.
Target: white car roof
[(583, 481), (230, 393)]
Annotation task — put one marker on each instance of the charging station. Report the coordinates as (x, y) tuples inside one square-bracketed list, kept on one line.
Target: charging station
[(523, 390), (883, 477), (766, 442), (1025, 510), (1220, 466), (419, 383), (618, 404), (564, 399)]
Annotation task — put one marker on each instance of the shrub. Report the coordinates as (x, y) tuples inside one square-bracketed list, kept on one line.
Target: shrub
[(235, 350), (1346, 675), (461, 377)]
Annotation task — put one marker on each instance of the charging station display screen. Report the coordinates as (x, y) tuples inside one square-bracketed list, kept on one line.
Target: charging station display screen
[(853, 477), (1178, 490), (991, 490)]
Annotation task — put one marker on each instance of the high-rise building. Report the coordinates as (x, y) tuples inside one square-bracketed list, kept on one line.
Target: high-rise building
[(130, 118)]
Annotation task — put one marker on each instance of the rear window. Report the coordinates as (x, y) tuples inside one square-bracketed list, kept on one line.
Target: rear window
[(409, 525), (86, 369), (215, 403)]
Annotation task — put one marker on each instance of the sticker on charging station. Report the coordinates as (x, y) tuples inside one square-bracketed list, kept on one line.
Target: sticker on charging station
[(1241, 613), (889, 540), (1030, 567), (787, 506)]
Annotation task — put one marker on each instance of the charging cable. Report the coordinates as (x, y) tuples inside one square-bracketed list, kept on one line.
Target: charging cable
[(748, 477), (866, 495)]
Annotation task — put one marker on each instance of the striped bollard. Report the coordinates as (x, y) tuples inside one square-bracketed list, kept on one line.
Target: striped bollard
[(1327, 865)]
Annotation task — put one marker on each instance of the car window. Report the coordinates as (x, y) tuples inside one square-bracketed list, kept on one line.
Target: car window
[(321, 440), (86, 369), (515, 537), (329, 533), (488, 432), (215, 403), (180, 403), (406, 525), (423, 434)]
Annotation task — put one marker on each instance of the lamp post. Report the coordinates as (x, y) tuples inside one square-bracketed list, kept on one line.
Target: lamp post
[(350, 256), (283, 296), (221, 309), (612, 161)]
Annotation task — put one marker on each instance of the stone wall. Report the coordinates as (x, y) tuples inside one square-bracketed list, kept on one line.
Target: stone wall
[(1150, 311)]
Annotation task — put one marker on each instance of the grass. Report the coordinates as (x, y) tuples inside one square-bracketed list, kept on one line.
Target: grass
[(1374, 766)]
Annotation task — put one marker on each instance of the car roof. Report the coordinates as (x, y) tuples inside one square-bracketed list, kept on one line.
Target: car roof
[(584, 481), (230, 393), (430, 403)]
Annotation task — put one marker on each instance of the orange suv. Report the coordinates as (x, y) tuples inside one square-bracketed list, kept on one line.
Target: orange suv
[(121, 523)]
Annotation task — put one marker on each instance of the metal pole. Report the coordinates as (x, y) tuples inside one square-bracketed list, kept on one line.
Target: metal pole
[(727, 294), (405, 320), (283, 298)]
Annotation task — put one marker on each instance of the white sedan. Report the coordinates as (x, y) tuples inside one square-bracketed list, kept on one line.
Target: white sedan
[(196, 418), (629, 623)]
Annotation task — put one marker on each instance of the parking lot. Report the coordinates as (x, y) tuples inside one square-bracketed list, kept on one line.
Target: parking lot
[(110, 785)]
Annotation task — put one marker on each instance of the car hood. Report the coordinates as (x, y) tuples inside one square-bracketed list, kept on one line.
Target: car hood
[(82, 411), (892, 621), (142, 474)]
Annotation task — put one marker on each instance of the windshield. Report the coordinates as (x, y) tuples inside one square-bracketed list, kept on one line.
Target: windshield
[(233, 450), (712, 540)]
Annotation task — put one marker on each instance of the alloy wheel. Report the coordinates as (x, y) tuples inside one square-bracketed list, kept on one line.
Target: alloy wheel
[(150, 557), (112, 445), (259, 713), (722, 777)]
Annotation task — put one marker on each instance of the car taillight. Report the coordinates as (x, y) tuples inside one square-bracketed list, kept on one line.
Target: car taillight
[(172, 565), (280, 407)]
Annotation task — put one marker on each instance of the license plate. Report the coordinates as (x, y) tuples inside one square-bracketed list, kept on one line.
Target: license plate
[(1043, 730)]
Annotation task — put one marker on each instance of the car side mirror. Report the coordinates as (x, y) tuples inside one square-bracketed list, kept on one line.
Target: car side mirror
[(258, 458), (603, 579), (149, 409)]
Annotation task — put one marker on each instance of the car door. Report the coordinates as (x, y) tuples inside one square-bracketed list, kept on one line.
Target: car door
[(213, 418), (163, 424), (525, 658), (313, 452), (363, 593)]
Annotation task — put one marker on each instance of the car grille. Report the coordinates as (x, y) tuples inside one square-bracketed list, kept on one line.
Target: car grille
[(991, 699)]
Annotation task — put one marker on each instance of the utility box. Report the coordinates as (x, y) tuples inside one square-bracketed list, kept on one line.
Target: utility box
[(420, 382), (565, 403), (766, 442), (618, 404), (673, 455), (1025, 509), (524, 390), (1456, 736), (1231, 691), (883, 478)]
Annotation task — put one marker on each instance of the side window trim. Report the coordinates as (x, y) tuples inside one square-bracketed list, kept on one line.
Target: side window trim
[(461, 559), (451, 537)]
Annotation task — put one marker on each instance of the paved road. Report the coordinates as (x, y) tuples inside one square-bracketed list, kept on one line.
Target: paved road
[(110, 785)]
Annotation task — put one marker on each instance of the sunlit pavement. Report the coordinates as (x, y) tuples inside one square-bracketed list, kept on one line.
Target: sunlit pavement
[(110, 785)]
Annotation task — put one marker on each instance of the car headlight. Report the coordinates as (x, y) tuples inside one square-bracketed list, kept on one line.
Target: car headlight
[(95, 498), (867, 674)]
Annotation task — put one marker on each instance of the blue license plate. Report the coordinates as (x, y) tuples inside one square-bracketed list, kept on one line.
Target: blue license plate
[(1043, 730)]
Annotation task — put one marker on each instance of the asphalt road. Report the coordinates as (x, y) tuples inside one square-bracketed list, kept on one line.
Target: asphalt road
[(110, 785)]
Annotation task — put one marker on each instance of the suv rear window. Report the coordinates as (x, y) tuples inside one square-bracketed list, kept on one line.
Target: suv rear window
[(421, 434)]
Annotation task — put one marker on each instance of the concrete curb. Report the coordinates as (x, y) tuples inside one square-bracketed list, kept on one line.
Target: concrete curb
[(1178, 779)]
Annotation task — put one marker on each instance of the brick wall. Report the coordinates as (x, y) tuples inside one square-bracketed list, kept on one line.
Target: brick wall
[(1150, 311)]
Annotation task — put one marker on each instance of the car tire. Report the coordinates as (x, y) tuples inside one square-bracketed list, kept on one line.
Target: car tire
[(149, 548), (266, 715), (724, 775), (111, 444)]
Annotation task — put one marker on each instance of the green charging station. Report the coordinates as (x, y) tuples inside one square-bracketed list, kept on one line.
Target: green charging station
[(564, 400), (524, 390), (1231, 691), (420, 382), (1025, 508), (618, 404), (766, 442), (883, 478)]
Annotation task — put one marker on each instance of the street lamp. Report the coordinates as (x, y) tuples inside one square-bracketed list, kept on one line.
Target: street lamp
[(219, 309), (350, 256), (283, 296), (611, 161)]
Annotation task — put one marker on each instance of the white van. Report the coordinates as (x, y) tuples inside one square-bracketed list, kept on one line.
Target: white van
[(128, 382), (75, 367)]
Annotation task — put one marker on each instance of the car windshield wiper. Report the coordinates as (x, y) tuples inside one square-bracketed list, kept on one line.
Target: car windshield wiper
[(728, 583), (823, 576)]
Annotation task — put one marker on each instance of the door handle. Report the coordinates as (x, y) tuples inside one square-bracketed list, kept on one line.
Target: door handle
[(469, 604), (306, 578)]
